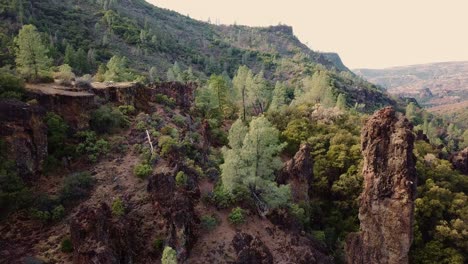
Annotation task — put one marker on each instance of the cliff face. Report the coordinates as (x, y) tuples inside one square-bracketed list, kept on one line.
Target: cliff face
[(298, 172), (386, 209), (460, 161), (98, 237), (25, 136)]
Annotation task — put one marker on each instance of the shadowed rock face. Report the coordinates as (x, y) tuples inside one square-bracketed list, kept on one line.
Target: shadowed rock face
[(298, 172), (25, 135), (176, 205), (387, 201), (98, 237), (251, 250), (460, 161)]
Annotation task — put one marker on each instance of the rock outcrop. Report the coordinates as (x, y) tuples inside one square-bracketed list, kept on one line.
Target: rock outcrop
[(25, 135), (298, 172), (251, 250), (387, 201), (73, 106), (98, 237), (183, 94), (176, 204), (460, 161)]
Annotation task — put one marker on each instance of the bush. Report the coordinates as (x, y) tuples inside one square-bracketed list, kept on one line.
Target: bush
[(10, 85), (56, 135), (179, 120), (169, 256), (84, 81), (236, 217), (118, 208), (13, 192), (221, 197), (209, 222), (158, 245), (142, 170), (164, 100), (66, 246), (76, 186), (65, 74), (91, 146), (181, 179), (107, 119), (127, 109), (167, 145)]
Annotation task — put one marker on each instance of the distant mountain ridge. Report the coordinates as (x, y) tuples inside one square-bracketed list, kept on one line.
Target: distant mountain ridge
[(433, 84)]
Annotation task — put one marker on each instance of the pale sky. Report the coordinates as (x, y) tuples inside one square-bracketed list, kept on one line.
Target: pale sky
[(365, 33)]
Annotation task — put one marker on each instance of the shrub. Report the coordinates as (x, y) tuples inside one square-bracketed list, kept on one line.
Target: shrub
[(164, 100), (10, 85), (58, 212), (221, 197), (65, 74), (141, 125), (56, 135), (107, 119), (236, 217), (181, 179), (118, 208), (127, 109), (209, 222), (179, 120), (76, 186), (158, 245), (169, 256), (84, 81), (91, 146), (167, 145), (66, 246), (142, 170)]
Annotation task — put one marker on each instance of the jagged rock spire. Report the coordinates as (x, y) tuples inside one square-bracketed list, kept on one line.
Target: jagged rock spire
[(387, 201)]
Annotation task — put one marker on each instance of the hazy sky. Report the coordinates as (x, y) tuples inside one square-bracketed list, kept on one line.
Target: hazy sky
[(366, 33)]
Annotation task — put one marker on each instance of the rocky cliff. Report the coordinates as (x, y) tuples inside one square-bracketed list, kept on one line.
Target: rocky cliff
[(460, 161), (386, 207), (25, 135), (298, 172)]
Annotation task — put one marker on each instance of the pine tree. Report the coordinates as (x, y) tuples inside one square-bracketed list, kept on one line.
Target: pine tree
[(279, 97), (31, 53), (259, 93), (251, 161), (69, 57), (341, 102), (117, 70), (81, 62), (153, 74), (241, 82), (220, 89)]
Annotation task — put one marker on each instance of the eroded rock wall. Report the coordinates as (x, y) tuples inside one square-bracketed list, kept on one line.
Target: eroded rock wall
[(387, 201), (25, 134)]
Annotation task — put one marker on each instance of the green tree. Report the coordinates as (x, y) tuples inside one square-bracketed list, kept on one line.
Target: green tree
[(341, 102), (117, 70), (153, 74), (251, 165), (69, 57), (259, 94), (241, 82), (219, 87), (169, 256), (31, 53), (279, 98), (81, 64)]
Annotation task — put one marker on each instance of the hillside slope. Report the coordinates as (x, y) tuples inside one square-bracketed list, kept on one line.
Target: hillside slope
[(154, 37)]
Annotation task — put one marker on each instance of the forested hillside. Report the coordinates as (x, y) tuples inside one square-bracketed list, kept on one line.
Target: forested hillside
[(87, 34)]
